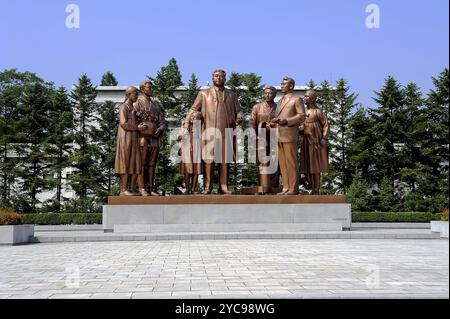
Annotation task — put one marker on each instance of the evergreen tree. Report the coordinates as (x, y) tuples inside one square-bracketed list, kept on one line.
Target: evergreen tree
[(167, 80), (104, 134), (108, 79), (388, 131), (253, 92), (386, 198), (250, 91), (362, 141), (325, 98), (325, 101), (33, 167), (411, 154), (84, 179), (248, 88), (188, 98), (311, 85), (234, 83), (339, 120), (59, 143), (358, 193), (436, 142), (12, 92)]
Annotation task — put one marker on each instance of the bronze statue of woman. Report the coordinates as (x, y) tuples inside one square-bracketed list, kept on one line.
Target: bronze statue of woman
[(314, 153), (128, 162)]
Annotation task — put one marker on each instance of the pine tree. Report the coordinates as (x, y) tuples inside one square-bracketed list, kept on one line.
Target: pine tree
[(387, 200), (12, 91), (339, 121), (253, 92), (167, 80), (388, 130), (83, 180), (33, 167), (436, 141), (234, 83), (105, 134), (108, 79), (325, 99), (249, 90), (358, 193), (311, 85), (362, 141), (188, 98), (412, 154), (59, 144)]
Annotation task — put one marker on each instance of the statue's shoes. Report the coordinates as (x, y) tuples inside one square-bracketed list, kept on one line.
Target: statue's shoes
[(144, 193), (292, 193), (126, 193), (283, 192), (155, 194)]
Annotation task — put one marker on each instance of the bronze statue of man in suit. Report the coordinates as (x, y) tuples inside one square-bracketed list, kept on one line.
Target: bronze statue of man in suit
[(290, 113), (149, 112), (262, 114), (221, 113)]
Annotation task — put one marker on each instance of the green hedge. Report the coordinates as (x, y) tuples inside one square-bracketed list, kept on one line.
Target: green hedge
[(357, 217), (61, 219), (393, 217)]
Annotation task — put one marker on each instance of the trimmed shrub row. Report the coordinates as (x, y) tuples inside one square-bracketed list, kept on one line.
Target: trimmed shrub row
[(96, 218), (393, 217), (62, 219)]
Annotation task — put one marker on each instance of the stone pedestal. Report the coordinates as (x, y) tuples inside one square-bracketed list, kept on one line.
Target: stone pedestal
[(438, 226), (236, 213), (16, 234)]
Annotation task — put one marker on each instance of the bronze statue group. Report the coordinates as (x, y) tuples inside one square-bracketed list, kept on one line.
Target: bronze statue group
[(217, 110)]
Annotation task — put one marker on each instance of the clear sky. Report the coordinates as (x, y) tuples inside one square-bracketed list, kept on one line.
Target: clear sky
[(305, 39)]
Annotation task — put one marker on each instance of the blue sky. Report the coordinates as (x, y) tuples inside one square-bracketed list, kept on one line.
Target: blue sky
[(321, 39)]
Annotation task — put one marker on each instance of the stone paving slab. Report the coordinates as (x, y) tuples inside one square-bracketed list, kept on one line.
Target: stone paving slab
[(307, 268)]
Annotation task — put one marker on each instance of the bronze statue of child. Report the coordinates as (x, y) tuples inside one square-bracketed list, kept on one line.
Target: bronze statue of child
[(190, 151)]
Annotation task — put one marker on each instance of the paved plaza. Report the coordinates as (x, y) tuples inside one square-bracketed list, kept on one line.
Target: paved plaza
[(277, 268)]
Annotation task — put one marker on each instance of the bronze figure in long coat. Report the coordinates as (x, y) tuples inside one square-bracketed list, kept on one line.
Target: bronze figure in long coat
[(220, 110)]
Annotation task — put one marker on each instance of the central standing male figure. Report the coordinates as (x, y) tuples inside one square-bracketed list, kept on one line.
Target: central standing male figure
[(289, 115), (220, 110), (149, 112)]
